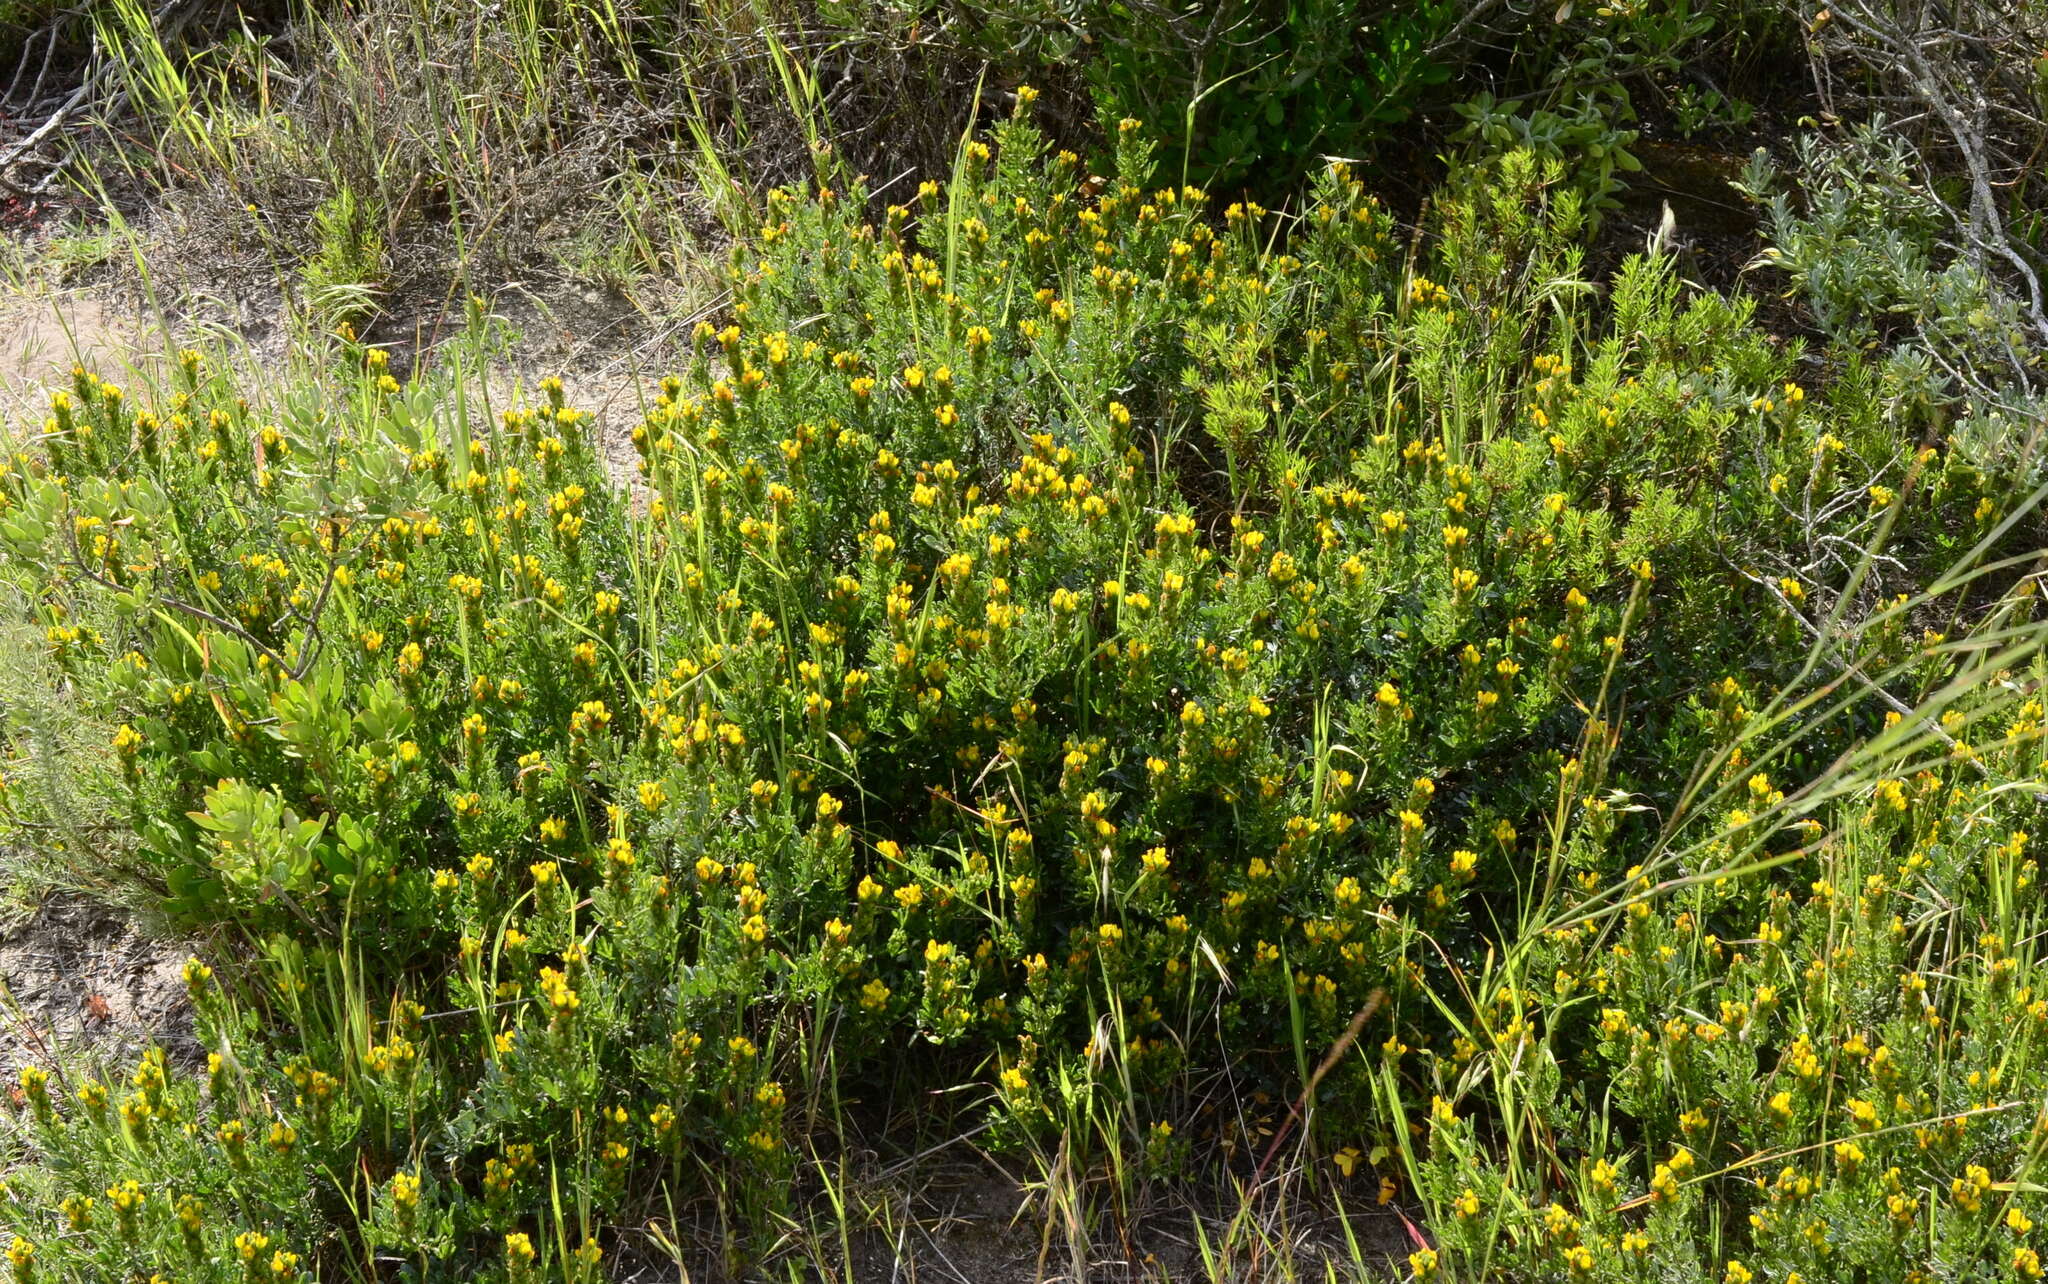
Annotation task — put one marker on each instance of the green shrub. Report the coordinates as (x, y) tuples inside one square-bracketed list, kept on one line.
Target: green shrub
[(343, 277), (1079, 648), (1272, 86)]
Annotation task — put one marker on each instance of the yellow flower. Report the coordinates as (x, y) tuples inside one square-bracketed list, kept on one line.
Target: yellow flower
[(1604, 1175), (405, 1191), (1969, 1189), (125, 1196), (518, 1250), (1663, 1184), (77, 1210)]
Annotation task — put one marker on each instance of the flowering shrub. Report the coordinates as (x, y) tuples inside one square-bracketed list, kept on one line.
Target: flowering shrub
[(1061, 632)]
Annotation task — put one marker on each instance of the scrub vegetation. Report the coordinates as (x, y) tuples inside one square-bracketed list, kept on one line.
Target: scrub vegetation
[(1321, 714)]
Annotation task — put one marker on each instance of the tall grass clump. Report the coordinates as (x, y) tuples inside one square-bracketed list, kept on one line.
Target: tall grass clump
[(475, 146), (1197, 698)]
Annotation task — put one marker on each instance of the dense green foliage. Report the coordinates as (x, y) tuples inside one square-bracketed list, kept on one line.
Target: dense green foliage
[(1251, 91), (1098, 653)]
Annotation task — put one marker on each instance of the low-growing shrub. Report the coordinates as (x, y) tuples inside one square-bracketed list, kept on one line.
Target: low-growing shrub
[(1098, 652)]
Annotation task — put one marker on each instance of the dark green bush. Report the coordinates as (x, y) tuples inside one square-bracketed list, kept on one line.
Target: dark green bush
[(1245, 93)]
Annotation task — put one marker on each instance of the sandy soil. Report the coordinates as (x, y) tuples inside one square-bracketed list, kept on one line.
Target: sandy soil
[(606, 351), (42, 335), (79, 982)]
